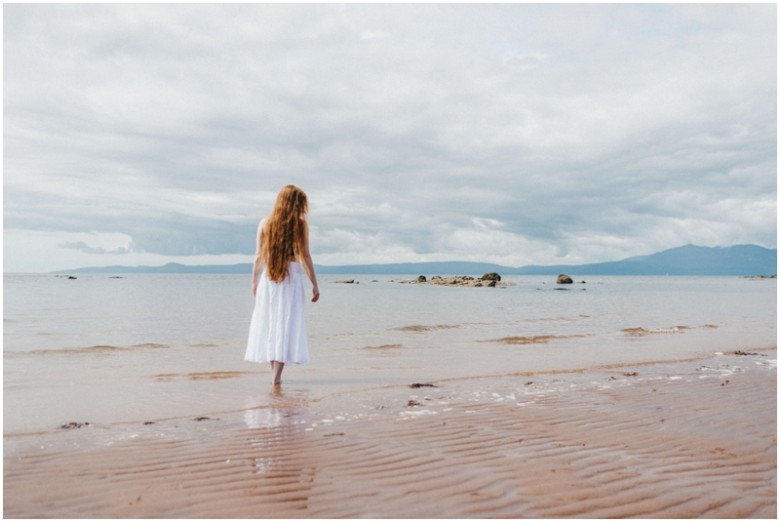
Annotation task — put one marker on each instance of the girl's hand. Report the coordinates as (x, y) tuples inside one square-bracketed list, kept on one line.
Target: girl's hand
[(316, 295)]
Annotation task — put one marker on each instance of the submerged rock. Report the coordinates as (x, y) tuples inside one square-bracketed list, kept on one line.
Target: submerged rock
[(73, 425)]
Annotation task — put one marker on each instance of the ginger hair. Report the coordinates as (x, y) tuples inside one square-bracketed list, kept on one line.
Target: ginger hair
[(285, 232)]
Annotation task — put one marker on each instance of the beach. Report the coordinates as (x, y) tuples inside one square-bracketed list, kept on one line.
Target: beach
[(653, 439), (649, 397)]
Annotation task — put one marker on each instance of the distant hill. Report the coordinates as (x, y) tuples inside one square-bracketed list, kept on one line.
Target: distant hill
[(684, 260), (430, 268), (170, 268)]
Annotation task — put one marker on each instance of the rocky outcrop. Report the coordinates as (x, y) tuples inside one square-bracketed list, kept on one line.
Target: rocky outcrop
[(490, 280), (563, 279)]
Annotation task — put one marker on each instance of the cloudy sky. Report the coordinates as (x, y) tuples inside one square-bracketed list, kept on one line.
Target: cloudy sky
[(509, 133)]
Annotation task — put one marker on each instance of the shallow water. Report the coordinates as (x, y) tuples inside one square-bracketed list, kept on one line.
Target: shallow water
[(105, 350)]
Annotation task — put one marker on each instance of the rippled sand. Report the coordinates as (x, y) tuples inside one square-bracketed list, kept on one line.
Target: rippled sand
[(693, 438)]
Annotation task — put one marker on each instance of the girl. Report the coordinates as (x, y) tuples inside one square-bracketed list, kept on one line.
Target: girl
[(277, 333)]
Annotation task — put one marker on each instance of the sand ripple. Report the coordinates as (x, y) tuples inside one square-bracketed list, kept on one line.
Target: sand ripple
[(690, 439), (640, 331), (533, 339), (426, 328), (99, 349), (200, 376)]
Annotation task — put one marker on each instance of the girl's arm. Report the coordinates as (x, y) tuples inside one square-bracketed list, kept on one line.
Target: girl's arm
[(308, 264), (258, 266)]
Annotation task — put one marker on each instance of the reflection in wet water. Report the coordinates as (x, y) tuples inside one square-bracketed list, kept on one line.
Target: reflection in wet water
[(276, 431), (274, 418)]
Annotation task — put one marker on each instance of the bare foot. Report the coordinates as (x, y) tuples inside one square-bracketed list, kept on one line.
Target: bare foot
[(277, 369)]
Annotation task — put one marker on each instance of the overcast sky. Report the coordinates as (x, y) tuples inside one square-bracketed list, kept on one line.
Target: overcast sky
[(509, 133)]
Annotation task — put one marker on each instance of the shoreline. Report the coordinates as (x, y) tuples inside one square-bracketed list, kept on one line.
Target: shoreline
[(685, 438)]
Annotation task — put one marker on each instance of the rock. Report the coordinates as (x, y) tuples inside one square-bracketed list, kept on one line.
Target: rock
[(73, 425), (346, 281), (563, 279), (492, 279)]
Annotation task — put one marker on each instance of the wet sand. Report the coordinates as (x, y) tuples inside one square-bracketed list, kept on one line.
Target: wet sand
[(661, 439)]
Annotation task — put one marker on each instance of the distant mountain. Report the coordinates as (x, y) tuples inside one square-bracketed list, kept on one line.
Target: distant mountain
[(170, 268), (685, 260), (431, 268)]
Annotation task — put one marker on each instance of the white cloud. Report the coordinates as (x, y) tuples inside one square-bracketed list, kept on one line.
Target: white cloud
[(513, 133)]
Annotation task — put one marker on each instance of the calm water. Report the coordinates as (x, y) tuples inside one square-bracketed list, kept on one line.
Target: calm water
[(110, 350)]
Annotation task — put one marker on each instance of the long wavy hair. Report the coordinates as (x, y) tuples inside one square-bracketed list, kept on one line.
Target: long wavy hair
[(284, 232)]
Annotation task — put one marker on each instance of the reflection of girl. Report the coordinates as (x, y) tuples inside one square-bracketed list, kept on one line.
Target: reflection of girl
[(277, 333)]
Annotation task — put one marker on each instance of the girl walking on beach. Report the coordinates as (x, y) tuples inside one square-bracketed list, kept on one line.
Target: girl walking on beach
[(277, 333)]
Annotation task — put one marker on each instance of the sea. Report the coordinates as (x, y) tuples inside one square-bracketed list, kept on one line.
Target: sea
[(111, 349)]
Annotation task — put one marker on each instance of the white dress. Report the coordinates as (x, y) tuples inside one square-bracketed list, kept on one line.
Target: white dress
[(278, 328)]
